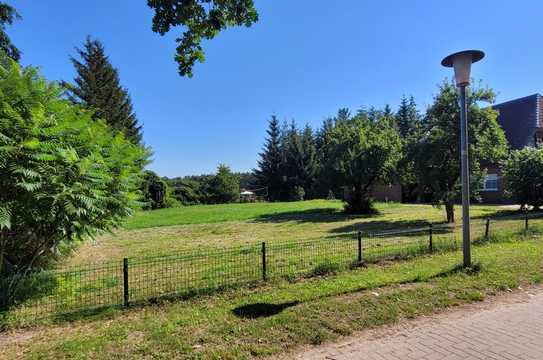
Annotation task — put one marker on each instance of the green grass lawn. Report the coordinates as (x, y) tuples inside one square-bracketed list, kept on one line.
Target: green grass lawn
[(218, 226), (195, 258), (249, 322)]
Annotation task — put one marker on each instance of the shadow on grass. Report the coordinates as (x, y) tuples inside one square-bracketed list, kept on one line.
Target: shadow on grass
[(382, 226), (258, 310), (456, 269), (320, 215), (98, 313)]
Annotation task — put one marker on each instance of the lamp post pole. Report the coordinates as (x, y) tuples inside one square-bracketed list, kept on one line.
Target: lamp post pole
[(461, 62), (464, 158)]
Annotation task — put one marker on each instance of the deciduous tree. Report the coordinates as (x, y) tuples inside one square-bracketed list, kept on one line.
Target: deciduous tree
[(362, 152), (203, 20), (523, 175), (438, 154)]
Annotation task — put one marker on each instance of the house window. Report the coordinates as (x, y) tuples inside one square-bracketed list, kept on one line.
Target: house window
[(491, 183)]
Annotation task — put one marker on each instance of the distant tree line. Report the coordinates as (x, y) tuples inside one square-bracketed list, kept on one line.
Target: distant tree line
[(222, 187)]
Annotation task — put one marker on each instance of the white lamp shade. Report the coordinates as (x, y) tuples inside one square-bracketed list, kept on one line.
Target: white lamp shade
[(462, 69), (461, 62)]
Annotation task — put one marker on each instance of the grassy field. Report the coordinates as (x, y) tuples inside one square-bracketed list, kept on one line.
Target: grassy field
[(253, 322), (218, 226), (302, 238)]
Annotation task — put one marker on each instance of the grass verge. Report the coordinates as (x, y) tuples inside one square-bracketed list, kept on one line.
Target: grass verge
[(246, 323)]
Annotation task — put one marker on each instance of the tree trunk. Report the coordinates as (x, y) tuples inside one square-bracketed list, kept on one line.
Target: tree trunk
[(449, 209)]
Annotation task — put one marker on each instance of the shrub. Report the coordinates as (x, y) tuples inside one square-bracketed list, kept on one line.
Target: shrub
[(156, 193), (298, 193), (63, 175), (523, 175)]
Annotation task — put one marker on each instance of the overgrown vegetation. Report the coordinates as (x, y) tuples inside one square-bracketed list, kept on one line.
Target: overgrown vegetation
[(156, 193), (64, 176)]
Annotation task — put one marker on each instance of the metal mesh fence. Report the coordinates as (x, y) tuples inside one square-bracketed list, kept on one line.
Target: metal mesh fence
[(183, 274)]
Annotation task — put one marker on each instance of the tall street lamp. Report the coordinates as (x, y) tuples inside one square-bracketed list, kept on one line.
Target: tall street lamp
[(461, 62)]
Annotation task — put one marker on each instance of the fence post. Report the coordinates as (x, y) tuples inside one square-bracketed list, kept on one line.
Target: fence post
[(487, 227), (125, 282), (431, 244), (359, 236), (264, 261), (526, 221)]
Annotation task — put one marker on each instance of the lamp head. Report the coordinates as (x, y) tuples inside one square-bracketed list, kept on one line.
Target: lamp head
[(461, 62)]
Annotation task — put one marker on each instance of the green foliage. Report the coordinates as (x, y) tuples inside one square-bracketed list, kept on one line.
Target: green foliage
[(155, 191), (362, 151), (203, 20), (269, 172), (409, 126), (63, 175), (97, 87), (201, 189), (224, 186), (438, 153), (288, 163), (523, 175), (7, 15), (326, 267), (299, 163), (188, 191)]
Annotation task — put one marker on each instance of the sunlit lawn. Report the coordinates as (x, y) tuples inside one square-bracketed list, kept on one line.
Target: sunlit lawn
[(248, 322), (218, 226)]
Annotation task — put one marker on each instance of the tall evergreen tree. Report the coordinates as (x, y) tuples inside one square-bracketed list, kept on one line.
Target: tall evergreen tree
[(409, 124), (98, 87), (8, 14), (309, 163), (269, 172), (407, 117)]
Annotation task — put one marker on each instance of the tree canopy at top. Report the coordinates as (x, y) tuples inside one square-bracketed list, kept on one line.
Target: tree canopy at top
[(7, 15), (203, 19)]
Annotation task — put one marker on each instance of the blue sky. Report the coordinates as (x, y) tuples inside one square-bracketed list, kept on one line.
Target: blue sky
[(303, 60)]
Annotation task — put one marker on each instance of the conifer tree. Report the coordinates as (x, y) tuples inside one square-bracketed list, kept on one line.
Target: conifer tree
[(97, 86), (407, 117), (269, 172), (224, 186), (409, 125), (7, 15), (309, 163), (293, 157)]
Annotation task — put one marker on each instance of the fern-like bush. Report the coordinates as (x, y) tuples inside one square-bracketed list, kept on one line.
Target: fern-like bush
[(63, 175)]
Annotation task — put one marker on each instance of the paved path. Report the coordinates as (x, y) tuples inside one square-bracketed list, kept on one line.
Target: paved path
[(509, 327)]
